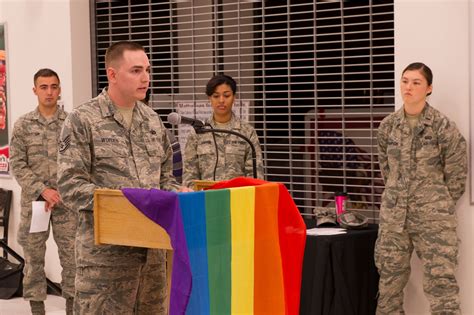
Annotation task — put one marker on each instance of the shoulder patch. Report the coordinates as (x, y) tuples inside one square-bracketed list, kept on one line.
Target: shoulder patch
[(64, 144)]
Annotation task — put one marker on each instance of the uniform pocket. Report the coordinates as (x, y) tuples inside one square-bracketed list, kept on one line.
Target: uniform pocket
[(238, 150), (388, 209), (110, 151), (36, 149), (235, 159), (154, 148)]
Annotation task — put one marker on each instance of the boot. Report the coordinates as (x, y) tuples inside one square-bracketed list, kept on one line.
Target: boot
[(69, 305), (37, 308)]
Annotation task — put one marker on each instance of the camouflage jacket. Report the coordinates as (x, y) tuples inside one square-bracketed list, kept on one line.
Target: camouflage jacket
[(34, 147), (235, 156), (424, 170), (97, 151)]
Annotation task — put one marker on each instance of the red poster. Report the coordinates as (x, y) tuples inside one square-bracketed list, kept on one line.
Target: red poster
[(4, 147)]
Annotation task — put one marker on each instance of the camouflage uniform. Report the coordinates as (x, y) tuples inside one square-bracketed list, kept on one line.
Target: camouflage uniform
[(235, 156), (34, 147), (425, 173), (97, 150)]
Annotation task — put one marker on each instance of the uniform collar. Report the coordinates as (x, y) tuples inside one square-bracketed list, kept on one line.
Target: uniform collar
[(233, 124), (59, 114), (426, 116), (108, 108)]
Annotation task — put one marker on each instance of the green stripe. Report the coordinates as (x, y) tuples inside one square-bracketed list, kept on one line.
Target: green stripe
[(219, 240)]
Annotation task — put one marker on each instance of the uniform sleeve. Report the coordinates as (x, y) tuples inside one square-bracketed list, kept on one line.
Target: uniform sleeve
[(454, 155), (167, 180), (74, 164), (191, 161), (258, 153), (382, 137), (24, 175)]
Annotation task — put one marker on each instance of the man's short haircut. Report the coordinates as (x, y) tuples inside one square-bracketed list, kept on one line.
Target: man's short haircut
[(116, 50), (45, 72)]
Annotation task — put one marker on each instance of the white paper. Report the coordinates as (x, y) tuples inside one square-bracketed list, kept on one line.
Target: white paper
[(40, 217), (326, 231)]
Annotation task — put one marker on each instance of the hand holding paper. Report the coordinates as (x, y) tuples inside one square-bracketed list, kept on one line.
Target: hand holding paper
[(52, 197), (40, 217)]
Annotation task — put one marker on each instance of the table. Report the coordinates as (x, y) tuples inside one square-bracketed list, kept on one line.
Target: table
[(339, 273)]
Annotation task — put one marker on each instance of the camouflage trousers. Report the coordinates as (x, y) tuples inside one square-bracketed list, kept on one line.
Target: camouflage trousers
[(152, 290), (138, 289), (106, 290), (63, 224), (436, 244)]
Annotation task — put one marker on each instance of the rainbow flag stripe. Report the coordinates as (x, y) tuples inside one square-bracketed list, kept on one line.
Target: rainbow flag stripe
[(244, 246), (237, 242)]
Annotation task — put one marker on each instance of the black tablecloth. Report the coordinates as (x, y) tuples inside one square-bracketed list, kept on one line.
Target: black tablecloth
[(339, 274)]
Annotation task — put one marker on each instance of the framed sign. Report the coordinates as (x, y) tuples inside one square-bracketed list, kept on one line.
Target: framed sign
[(4, 146)]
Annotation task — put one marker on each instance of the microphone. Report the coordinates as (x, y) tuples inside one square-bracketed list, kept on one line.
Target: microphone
[(176, 119)]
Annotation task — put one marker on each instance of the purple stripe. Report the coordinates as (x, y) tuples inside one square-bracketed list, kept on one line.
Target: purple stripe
[(162, 207)]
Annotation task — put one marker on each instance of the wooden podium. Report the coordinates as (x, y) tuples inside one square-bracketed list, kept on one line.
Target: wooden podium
[(118, 222), (202, 184)]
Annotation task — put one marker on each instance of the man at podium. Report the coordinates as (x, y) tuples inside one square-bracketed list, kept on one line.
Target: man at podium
[(115, 141)]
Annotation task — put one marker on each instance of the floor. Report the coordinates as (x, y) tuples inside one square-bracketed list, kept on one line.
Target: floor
[(55, 305)]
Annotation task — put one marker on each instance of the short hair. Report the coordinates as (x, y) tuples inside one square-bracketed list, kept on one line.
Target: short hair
[(45, 72), (116, 50), (220, 79)]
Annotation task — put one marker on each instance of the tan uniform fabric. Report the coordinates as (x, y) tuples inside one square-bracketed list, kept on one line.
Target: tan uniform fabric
[(425, 174), (97, 150), (34, 150), (234, 158)]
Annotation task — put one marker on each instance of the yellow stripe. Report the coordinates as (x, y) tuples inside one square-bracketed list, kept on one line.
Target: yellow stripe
[(242, 210)]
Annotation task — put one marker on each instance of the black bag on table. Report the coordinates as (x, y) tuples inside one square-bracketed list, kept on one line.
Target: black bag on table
[(11, 277)]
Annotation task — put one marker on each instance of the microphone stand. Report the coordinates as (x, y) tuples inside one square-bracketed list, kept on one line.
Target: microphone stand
[(200, 130)]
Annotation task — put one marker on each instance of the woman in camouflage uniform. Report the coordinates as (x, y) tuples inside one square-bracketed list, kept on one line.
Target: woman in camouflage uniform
[(234, 158), (423, 160)]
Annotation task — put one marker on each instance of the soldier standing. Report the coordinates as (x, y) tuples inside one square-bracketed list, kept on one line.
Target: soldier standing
[(115, 141), (423, 160), (233, 157), (34, 147)]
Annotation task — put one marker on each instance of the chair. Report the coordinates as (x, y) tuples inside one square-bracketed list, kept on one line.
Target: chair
[(5, 204)]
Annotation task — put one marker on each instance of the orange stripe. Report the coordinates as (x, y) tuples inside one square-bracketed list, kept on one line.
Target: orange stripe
[(269, 297)]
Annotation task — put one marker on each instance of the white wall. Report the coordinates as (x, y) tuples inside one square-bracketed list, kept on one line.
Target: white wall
[(44, 33), (436, 33)]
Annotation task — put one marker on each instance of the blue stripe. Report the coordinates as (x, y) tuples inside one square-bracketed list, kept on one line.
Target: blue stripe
[(193, 211)]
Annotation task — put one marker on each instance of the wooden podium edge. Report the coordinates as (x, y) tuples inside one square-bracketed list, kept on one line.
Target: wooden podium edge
[(203, 184), (169, 251)]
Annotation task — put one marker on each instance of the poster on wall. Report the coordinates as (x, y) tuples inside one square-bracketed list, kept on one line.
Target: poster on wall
[(4, 148)]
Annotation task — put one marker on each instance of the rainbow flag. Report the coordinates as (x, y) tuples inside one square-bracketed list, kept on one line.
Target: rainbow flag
[(244, 244)]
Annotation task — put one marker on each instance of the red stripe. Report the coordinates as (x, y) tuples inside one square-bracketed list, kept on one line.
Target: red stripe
[(292, 242)]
